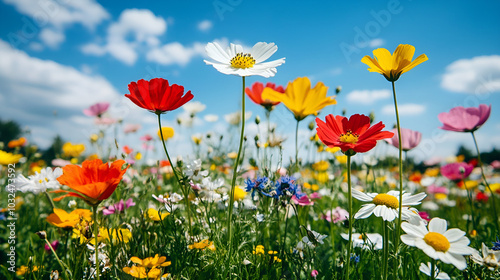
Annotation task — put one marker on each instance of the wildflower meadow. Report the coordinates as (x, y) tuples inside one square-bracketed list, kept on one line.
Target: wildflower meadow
[(345, 200)]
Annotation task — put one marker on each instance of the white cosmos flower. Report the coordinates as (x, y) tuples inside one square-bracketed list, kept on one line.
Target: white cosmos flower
[(386, 205), (235, 118), (234, 61), (366, 240), (194, 107), (40, 182), (437, 242), (426, 269)]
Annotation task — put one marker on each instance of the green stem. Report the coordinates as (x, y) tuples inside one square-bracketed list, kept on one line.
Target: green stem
[(286, 229), (184, 190), (433, 269), (349, 207), (400, 167), (385, 249), (50, 200), (472, 216), (235, 174), (62, 264), (493, 200), (297, 147), (268, 119), (96, 245)]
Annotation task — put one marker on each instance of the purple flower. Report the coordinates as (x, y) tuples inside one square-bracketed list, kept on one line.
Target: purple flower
[(118, 207), (409, 138), (97, 109), (457, 171), (462, 119)]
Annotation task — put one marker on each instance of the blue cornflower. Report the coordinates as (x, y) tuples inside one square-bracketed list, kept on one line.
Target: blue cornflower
[(258, 184), (355, 258), (496, 245), (286, 186)]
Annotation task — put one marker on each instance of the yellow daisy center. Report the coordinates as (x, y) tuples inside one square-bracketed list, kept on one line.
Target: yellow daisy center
[(41, 180), (387, 200), (242, 60), (437, 241), (349, 137)]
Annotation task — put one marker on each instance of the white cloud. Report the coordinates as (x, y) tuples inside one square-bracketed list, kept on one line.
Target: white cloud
[(175, 53), (377, 42), (51, 37), (58, 15), (479, 74), (404, 109), (367, 96), (47, 96), (134, 28), (205, 25)]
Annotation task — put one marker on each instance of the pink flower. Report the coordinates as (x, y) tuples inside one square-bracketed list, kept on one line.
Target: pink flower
[(338, 215), (60, 162), (314, 273), (424, 215), (302, 201), (315, 195), (462, 119), (146, 138), (54, 245), (129, 128), (118, 207), (432, 189), (457, 171), (495, 164), (104, 121), (409, 138), (97, 109)]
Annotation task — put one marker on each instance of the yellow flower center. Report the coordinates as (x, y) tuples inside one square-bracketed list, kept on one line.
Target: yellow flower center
[(41, 180), (349, 137), (387, 200), (242, 60), (437, 241)]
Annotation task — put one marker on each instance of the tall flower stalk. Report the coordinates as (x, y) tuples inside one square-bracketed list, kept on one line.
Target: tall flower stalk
[(349, 209), (400, 164), (235, 174)]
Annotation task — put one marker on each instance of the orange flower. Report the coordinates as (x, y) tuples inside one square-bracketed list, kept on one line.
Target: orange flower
[(17, 143), (61, 218), (94, 181)]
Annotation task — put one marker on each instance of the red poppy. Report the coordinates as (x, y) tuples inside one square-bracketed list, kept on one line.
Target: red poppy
[(255, 94), (353, 135), (94, 181), (157, 95), (481, 197)]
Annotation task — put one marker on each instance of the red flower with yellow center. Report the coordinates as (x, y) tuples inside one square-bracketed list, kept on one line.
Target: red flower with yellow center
[(93, 182), (353, 135), (157, 95)]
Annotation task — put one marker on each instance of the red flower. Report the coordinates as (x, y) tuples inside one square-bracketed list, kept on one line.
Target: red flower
[(157, 95), (94, 181), (255, 94), (353, 135), (481, 197)]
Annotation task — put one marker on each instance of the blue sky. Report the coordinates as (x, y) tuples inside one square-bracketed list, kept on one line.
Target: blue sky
[(61, 57)]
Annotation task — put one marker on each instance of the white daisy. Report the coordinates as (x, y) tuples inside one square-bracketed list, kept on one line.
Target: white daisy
[(40, 182), (426, 269), (234, 61), (366, 240), (449, 246), (490, 258), (386, 205)]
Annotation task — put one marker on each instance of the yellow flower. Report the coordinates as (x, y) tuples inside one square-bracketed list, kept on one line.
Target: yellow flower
[(321, 165), (342, 159), (239, 193), (94, 138), (140, 272), (300, 99), (23, 269), (117, 235), (470, 184), (151, 262), (72, 150), (259, 250), (321, 177), (432, 172), (440, 196), (392, 66), (138, 156), (154, 215), (168, 132), (8, 158), (61, 218), (312, 187), (205, 243), (495, 187), (332, 150), (92, 157), (196, 140), (232, 155), (276, 259)]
